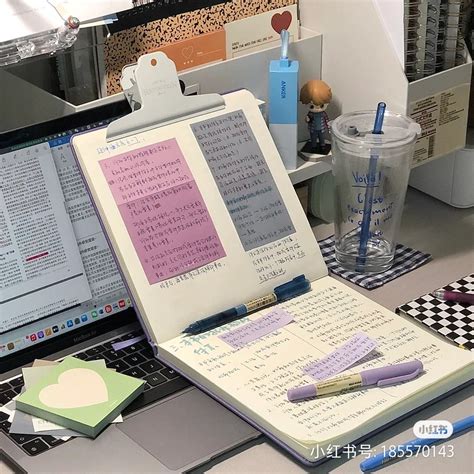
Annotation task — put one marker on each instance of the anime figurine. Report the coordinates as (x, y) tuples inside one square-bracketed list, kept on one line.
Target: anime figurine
[(318, 94)]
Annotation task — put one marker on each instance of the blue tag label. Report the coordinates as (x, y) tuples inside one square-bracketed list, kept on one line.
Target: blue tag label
[(283, 92)]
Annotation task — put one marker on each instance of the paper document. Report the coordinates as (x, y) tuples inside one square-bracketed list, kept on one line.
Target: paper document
[(20, 18), (258, 32)]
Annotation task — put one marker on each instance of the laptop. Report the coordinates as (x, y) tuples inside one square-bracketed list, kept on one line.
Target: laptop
[(61, 294)]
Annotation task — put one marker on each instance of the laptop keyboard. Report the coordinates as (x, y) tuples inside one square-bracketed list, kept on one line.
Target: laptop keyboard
[(136, 360)]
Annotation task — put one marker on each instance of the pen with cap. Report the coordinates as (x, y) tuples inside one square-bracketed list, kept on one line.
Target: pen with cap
[(295, 287), (456, 296), (388, 375)]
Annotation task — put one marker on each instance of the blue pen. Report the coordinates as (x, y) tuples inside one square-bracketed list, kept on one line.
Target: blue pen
[(295, 287), (384, 458)]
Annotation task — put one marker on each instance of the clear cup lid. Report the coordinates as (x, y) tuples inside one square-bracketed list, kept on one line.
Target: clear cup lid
[(355, 128)]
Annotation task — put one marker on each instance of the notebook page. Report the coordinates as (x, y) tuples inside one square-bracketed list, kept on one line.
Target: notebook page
[(201, 214), (258, 375)]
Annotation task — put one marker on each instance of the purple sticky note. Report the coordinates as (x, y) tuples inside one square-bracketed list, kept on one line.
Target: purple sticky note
[(163, 210), (343, 357), (272, 321)]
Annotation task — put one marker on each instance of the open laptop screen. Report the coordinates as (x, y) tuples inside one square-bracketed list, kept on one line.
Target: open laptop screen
[(57, 273)]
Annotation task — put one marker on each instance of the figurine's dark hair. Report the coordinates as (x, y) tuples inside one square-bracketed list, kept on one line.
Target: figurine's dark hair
[(317, 92)]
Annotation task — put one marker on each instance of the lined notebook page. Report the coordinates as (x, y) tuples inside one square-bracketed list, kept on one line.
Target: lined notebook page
[(258, 375)]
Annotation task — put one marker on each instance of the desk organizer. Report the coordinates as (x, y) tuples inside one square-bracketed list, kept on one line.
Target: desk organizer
[(362, 67), (449, 179), (244, 72), (251, 72)]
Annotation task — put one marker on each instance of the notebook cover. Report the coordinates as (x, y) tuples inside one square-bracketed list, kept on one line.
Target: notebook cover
[(81, 396), (448, 318), (125, 47)]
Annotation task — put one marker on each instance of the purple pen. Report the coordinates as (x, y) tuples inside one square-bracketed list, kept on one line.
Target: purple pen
[(388, 375), (454, 296)]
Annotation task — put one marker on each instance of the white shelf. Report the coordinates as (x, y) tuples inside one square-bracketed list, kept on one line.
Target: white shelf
[(309, 169)]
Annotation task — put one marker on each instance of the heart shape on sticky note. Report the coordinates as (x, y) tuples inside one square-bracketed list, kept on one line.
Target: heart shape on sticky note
[(281, 21), (76, 388), (187, 52)]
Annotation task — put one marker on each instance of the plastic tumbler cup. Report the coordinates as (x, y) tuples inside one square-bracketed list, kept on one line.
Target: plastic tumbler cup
[(371, 177)]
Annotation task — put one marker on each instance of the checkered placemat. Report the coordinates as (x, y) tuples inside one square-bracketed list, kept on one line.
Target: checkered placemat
[(450, 319), (406, 260)]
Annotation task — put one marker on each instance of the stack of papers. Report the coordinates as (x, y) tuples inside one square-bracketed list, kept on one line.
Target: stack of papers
[(73, 398)]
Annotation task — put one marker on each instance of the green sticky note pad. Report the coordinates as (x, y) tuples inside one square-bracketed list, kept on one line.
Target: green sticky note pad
[(81, 396)]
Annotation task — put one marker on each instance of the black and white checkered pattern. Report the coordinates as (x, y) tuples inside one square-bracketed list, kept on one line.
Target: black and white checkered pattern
[(450, 319), (406, 260)]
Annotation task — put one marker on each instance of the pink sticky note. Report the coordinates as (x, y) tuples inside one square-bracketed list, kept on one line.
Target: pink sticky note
[(342, 358), (272, 321), (163, 210), (146, 171)]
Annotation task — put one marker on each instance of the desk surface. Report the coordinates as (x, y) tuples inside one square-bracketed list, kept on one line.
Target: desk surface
[(447, 233)]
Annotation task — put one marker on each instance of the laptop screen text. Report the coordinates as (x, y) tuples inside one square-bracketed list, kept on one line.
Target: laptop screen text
[(57, 272)]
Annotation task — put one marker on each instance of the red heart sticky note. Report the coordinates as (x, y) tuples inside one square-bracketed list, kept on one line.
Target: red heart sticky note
[(281, 21)]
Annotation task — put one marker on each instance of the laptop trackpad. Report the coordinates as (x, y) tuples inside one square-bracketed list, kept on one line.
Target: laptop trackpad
[(187, 428)]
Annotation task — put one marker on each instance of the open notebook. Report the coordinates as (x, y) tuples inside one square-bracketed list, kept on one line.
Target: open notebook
[(202, 217)]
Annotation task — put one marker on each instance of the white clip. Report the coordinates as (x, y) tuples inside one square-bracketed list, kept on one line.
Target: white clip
[(158, 95)]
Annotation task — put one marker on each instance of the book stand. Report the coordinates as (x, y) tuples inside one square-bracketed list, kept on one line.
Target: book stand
[(152, 88)]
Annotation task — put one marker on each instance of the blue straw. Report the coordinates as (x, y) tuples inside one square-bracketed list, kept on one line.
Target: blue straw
[(369, 193), (379, 118), (379, 460), (285, 40)]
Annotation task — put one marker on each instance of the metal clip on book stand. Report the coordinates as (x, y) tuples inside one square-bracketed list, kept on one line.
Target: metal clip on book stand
[(152, 88), (47, 42)]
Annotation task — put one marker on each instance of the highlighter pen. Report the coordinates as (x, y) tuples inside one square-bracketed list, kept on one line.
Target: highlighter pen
[(381, 377), (456, 296), (295, 287), (381, 459)]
